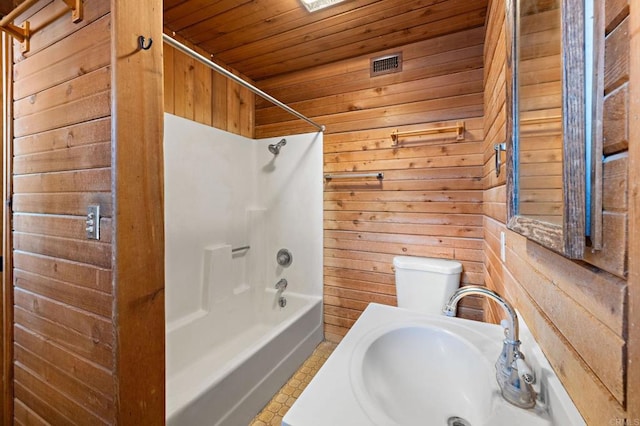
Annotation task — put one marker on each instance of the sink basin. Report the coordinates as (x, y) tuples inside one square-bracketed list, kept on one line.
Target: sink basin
[(417, 371), (398, 367)]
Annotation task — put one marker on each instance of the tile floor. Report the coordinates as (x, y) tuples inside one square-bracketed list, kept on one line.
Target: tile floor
[(275, 410)]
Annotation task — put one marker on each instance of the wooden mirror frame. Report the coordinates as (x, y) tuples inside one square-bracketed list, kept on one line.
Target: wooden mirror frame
[(568, 239)]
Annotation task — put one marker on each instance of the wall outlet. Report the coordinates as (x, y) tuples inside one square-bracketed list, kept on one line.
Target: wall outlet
[(503, 243)]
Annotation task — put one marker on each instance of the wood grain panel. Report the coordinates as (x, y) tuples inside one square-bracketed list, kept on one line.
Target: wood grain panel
[(98, 180), (431, 147), (615, 169), (219, 89), (453, 16), (403, 218), (74, 273), (614, 256), (429, 58), (288, 27), (615, 130), (386, 96), (465, 243), (76, 344), (84, 156), (195, 92), (26, 416), (138, 235), (81, 298), (89, 373), (80, 52), (615, 12), (93, 253), (372, 139), (45, 32), (37, 405), (428, 184), (76, 391), (74, 203), (72, 411), (59, 226), (62, 283), (280, 38), (438, 230), (616, 57), (94, 326), (97, 105), (81, 87), (87, 133)]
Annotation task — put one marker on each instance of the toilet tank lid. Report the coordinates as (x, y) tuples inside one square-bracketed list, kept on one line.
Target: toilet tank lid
[(442, 266)]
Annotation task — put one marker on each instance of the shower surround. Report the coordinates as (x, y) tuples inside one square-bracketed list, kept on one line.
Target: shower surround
[(230, 345)]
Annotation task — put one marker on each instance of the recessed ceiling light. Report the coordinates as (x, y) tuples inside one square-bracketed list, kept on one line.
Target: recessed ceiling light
[(313, 5)]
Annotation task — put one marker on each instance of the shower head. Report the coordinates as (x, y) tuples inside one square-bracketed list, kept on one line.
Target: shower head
[(275, 148)]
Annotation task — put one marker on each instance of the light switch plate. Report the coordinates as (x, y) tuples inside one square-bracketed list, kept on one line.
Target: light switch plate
[(93, 222)]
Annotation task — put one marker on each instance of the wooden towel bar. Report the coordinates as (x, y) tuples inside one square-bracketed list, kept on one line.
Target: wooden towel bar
[(23, 33), (458, 128), (540, 120)]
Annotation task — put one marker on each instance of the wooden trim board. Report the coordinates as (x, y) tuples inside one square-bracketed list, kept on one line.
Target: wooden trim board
[(6, 310), (633, 342), (137, 179)]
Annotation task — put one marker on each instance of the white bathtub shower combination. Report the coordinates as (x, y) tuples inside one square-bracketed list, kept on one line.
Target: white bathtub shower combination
[(230, 344)]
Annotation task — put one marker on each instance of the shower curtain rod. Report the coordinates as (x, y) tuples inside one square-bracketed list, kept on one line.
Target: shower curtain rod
[(221, 70)]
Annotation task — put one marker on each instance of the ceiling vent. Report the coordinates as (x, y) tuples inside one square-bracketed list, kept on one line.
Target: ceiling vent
[(386, 64)]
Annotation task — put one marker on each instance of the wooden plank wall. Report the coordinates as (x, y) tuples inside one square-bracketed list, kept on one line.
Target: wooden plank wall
[(64, 334), (615, 140), (430, 201), (575, 310), (196, 92)]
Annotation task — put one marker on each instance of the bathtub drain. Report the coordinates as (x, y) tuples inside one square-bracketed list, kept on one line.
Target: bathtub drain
[(457, 421)]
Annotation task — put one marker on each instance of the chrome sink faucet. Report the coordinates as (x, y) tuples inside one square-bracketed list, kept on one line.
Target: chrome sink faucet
[(512, 373)]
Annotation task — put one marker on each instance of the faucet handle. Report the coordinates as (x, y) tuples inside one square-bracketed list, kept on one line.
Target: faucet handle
[(524, 370), (505, 327), (282, 284), (449, 311)]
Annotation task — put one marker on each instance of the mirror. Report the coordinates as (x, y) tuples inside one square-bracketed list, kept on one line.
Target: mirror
[(545, 126)]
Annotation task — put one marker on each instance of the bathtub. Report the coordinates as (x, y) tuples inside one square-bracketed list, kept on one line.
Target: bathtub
[(224, 365)]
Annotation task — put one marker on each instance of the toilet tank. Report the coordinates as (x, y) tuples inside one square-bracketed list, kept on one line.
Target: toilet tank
[(425, 284)]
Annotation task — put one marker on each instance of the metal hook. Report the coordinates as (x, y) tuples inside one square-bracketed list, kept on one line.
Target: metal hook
[(141, 44)]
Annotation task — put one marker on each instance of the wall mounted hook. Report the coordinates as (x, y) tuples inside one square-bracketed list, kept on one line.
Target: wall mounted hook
[(142, 46), (499, 148)]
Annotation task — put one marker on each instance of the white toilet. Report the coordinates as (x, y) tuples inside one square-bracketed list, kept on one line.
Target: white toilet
[(425, 284)]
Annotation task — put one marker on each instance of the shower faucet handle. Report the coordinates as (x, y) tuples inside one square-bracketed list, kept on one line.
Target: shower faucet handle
[(282, 284), (284, 257)]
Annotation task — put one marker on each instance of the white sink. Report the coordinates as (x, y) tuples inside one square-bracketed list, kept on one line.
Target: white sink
[(414, 371), (397, 367)]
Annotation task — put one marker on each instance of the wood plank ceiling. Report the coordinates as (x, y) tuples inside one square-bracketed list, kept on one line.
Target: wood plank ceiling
[(266, 38)]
